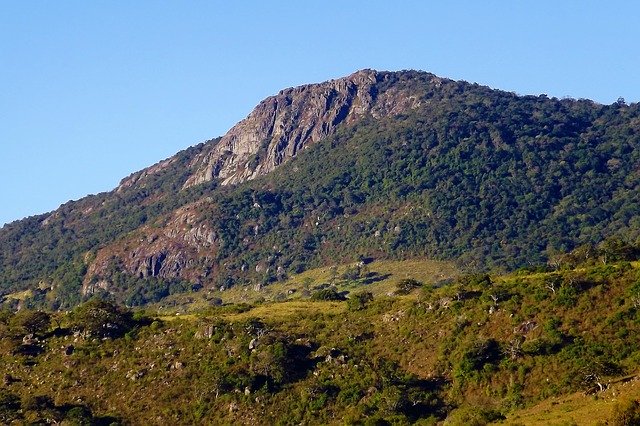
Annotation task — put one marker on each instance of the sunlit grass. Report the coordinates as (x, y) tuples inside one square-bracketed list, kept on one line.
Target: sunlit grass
[(576, 408)]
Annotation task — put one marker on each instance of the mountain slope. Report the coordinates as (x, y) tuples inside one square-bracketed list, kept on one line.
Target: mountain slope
[(472, 352), (280, 126), (396, 165)]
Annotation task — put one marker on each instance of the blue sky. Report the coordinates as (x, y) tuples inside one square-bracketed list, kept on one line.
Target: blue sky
[(91, 91)]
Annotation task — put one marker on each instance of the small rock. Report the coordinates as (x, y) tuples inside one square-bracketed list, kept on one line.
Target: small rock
[(29, 339)]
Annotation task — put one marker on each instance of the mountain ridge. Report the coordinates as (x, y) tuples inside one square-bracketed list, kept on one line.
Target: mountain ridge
[(388, 164)]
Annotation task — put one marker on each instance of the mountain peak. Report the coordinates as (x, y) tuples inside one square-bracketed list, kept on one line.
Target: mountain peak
[(281, 125)]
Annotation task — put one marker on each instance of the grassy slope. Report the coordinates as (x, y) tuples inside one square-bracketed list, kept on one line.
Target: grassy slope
[(430, 343), (577, 408), (384, 275)]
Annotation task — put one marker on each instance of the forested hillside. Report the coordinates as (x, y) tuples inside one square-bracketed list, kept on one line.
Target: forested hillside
[(462, 172)]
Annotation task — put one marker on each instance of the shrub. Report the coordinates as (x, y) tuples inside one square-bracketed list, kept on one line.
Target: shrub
[(359, 301), (327, 294), (32, 321), (79, 416), (102, 319), (482, 281), (406, 286), (351, 273), (473, 416), (9, 406), (477, 355)]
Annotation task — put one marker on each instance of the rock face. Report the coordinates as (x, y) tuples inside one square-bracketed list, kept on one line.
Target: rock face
[(170, 252), (280, 126)]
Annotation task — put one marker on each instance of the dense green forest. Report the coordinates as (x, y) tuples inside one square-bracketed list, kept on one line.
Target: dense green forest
[(492, 180)]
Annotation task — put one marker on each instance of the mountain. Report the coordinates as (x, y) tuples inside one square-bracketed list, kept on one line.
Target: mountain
[(373, 165)]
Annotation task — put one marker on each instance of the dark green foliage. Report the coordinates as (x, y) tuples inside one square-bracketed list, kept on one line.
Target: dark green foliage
[(474, 416), (41, 409), (32, 321), (79, 416), (352, 273), (9, 406), (616, 249), (359, 301), (407, 285), (153, 289), (55, 250), (477, 355), (426, 359), (102, 319), (626, 413), (327, 294), (485, 177), (476, 281)]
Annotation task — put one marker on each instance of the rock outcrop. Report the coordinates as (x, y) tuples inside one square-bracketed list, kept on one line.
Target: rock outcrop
[(280, 126), (170, 252)]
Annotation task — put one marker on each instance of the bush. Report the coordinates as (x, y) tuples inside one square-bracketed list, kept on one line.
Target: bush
[(32, 321), (9, 406), (482, 281), (406, 286), (102, 319), (473, 416), (79, 416), (477, 355), (359, 301), (327, 294), (351, 273)]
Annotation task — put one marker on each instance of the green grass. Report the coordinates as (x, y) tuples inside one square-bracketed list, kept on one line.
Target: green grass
[(397, 352), (384, 276), (577, 408)]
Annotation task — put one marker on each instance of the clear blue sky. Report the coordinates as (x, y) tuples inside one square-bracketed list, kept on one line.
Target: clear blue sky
[(91, 91)]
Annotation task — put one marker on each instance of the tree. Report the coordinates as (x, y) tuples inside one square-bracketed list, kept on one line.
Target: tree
[(614, 249), (352, 273), (327, 294), (102, 319), (359, 301), (32, 321), (333, 274), (407, 285)]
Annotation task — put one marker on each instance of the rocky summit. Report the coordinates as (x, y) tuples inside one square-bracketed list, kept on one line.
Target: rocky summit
[(282, 125)]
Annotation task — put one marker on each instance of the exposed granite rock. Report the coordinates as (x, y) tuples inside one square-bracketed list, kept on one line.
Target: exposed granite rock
[(280, 126), (170, 252)]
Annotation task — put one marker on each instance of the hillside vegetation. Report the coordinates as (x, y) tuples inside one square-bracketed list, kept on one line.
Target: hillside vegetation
[(485, 178), (480, 349)]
